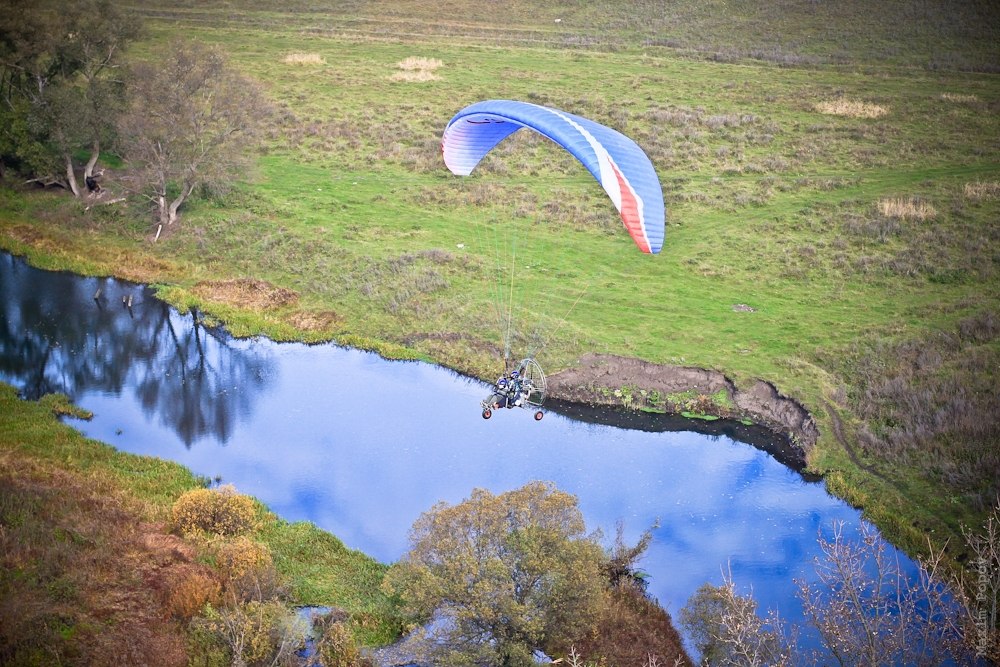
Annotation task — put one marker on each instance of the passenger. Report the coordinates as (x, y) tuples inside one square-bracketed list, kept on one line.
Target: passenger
[(516, 389)]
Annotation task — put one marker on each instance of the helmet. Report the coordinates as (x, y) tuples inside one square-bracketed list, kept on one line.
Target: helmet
[(514, 375), (502, 382)]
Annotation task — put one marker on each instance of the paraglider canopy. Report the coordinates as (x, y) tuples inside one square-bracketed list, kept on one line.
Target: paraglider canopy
[(617, 162)]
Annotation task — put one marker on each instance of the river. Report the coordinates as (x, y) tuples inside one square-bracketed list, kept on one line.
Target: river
[(361, 446)]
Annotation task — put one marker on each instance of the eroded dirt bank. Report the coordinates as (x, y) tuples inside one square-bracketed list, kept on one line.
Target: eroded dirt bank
[(596, 377)]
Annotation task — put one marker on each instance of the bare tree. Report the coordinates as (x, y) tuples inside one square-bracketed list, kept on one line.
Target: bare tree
[(865, 608), (727, 630), (982, 592), (191, 120), (868, 612)]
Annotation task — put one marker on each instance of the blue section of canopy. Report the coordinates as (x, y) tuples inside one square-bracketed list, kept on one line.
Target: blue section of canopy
[(617, 162)]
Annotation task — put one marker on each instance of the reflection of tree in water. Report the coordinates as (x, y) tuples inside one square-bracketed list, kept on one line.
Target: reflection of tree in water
[(200, 384), (55, 336)]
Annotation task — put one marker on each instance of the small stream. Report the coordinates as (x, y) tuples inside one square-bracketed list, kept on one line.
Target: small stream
[(361, 446)]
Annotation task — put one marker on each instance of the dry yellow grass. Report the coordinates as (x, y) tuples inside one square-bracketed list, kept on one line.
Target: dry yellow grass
[(246, 293), (78, 549), (851, 108), (314, 321), (419, 75), (419, 63), (909, 208), (959, 97), (303, 59), (188, 587), (417, 68), (980, 190)]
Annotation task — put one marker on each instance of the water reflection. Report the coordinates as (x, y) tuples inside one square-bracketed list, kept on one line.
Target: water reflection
[(81, 336), (361, 446)]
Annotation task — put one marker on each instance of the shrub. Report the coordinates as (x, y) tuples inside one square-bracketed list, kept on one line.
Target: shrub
[(189, 591), (243, 557), (222, 511), (256, 632), (335, 646)]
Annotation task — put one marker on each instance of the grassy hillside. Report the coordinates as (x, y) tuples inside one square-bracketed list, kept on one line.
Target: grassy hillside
[(933, 34), (831, 165), (92, 570)]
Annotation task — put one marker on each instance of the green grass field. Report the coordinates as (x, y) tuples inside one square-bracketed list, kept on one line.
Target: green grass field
[(831, 165)]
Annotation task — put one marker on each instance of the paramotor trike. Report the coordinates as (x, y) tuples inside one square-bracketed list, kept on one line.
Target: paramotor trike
[(523, 388)]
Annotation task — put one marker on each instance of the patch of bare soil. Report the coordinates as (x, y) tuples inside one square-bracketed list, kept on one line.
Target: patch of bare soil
[(249, 293), (589, 380)]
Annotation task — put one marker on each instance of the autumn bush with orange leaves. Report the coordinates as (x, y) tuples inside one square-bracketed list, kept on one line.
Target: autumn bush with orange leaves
[(222, 511)]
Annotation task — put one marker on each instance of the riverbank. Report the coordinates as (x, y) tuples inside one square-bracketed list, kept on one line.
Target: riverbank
[(830, 225), (92, 571), (696, 392), (819, 450)]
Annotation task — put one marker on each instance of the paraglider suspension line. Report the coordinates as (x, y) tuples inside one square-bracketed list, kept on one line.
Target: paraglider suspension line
[(510, 306), (562, 323)]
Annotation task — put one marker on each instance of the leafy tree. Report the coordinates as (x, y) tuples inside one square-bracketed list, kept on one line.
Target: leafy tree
[(506, 574), (21, 149), (191, 120), (101, 32), (701, 618), (59, 89), (31, 64)]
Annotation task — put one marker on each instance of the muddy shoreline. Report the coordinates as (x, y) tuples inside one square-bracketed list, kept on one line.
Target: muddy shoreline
[(584, 389)]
